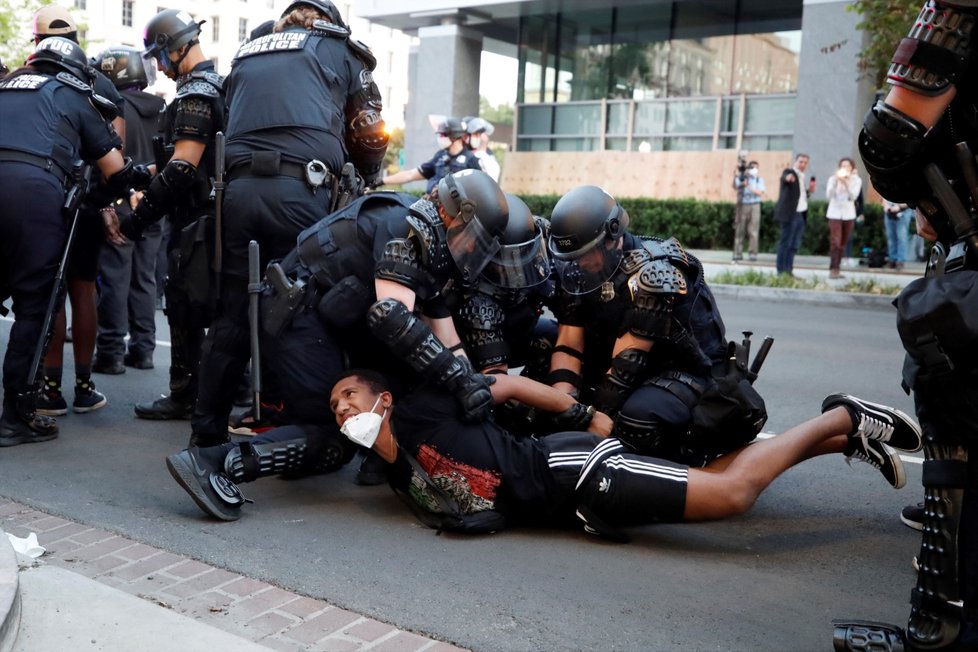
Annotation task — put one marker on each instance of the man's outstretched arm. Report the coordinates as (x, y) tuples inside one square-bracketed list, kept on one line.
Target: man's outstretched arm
[(567, 411)]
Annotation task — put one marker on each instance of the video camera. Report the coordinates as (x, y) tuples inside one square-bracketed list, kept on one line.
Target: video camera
[(741, 162)]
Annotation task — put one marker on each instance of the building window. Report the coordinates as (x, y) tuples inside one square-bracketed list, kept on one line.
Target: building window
[(242, 29), (81, 4), (127, 13), (215, 28)]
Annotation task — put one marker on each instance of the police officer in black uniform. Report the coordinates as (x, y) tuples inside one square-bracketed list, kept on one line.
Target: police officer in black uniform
[(54, 20), (51, 117), (182, 190), (453, 157), (918, 145), (127, 296), (302, 102), (639, 330), (499, 318), (361, 284)]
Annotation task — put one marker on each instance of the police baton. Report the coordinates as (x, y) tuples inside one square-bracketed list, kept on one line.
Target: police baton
[(254, 288), (218, 202), (755, 367), (81, 178)]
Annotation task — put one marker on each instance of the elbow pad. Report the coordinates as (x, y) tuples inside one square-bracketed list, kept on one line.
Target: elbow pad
[(412, 341), (890, 145), (626, 368), (368, 143), (168, 189)]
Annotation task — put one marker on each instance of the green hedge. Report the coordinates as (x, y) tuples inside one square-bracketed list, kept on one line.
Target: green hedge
[(709, 225)]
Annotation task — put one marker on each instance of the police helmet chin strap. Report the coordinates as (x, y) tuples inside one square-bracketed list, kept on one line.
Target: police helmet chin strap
[(466, 207)]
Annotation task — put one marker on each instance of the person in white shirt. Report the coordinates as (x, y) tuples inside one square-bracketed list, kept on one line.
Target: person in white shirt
[(842, 190)]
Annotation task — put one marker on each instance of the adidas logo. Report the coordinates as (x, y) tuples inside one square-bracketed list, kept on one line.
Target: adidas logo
[(605, 485)]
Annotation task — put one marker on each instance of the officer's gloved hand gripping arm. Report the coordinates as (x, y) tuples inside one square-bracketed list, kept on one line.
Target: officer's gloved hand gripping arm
[(631, 355), (392, 321), (167, 188)]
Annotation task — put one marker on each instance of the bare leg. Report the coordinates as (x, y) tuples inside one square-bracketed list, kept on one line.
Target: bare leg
[(54, 356), (730, 485), (83, 322)]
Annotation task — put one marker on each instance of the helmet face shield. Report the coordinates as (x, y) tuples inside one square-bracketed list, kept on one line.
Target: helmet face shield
[(589, 270), (471, 246), (520, 265)]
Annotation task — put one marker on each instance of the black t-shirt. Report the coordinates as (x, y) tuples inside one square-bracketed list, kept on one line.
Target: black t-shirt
[(479, 464)]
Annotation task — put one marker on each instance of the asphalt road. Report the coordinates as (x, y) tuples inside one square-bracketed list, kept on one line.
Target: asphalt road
[(825, 541)]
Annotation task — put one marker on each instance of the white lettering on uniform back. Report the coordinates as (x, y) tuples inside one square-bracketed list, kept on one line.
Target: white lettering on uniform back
[(273, 43)]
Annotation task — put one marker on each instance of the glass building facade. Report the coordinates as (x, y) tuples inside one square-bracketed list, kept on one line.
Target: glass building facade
[(687, 75)]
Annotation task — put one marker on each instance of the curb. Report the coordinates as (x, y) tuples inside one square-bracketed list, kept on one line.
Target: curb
[(9, 595), (814, 297)]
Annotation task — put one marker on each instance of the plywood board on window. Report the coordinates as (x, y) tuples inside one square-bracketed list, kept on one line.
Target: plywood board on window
[(660, 175)]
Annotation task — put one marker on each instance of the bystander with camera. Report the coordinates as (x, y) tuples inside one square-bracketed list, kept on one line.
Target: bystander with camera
[(747, 216)]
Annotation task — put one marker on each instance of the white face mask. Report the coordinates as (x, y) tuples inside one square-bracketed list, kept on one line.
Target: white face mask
[(752, 172), (475, 141), (444, 142), (363, 428)]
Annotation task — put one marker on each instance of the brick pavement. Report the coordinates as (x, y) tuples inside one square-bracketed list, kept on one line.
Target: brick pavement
[(255, 610)]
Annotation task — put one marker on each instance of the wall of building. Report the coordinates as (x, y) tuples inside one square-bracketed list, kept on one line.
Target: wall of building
[(675, 175), (832, 98)]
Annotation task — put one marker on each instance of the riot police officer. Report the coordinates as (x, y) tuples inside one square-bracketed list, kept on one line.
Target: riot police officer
[(639, 330), (182, 190), (364, 283), (54, 20), (302, 102), (498, 317), (51, 118), (453, 157), (127, 296), (918, 145)]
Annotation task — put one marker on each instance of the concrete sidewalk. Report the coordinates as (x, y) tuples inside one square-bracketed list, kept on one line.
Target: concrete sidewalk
[(96, 590)]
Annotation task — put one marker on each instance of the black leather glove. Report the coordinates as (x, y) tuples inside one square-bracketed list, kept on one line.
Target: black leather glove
[(140, 177), (472, 392)]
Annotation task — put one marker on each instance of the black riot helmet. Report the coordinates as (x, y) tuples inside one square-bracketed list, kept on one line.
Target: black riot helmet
[(125, 68), (167, 32), (521, 261), (476, 214), (586, 227), (452, 128), (64, 54), (325, 7)]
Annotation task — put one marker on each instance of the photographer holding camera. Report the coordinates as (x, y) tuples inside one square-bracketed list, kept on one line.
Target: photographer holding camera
[(747, 216), (842, 190)]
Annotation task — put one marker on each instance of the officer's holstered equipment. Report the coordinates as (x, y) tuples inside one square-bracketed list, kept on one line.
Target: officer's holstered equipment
[(254, 290), (281, 299)]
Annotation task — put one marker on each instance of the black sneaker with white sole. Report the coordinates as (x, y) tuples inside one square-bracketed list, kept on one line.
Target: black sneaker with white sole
[(878, 455), (211, 490), (87, 398), (878, 422), (913, 516)]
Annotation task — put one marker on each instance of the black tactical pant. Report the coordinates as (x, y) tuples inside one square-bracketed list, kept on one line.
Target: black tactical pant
[(272, 211), (32, 238)]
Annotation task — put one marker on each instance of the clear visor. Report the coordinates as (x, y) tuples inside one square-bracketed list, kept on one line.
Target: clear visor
[(519, 266), (471, 246), (588, 271)]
